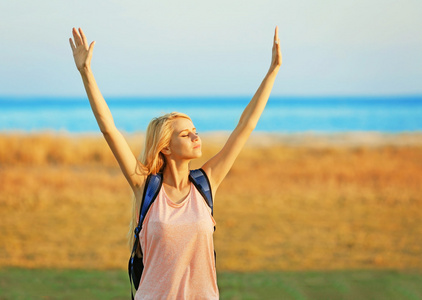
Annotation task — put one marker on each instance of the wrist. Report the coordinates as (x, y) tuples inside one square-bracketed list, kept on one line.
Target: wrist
[(84, 70), (272, 72)]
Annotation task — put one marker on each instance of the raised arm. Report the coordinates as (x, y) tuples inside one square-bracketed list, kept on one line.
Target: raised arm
[(132, 169), (219, 165)]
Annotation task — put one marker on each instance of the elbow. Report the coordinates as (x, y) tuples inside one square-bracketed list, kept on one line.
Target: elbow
[(247, 123), (107, 130), (104, 130), (106, 126), (247, 126)]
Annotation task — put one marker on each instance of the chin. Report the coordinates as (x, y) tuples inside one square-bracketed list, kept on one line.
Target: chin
[(198, 154)]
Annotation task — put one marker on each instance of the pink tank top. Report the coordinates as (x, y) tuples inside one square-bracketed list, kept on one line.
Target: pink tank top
[(178, 247)]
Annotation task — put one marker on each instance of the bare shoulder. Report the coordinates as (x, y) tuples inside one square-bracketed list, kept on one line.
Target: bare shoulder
[(138, 188), (207, 169), (139, 175)]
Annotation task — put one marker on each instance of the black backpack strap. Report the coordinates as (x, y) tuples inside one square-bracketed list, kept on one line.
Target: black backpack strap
[(200, 179), (152, 188)]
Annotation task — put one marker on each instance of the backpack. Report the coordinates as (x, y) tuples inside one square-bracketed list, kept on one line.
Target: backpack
[(152, 187)]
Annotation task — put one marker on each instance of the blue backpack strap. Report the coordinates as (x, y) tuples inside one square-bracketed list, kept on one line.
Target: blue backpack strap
[(152, 188), (200, 179)]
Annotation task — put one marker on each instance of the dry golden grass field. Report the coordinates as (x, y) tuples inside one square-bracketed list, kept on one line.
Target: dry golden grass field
[(295, 202)]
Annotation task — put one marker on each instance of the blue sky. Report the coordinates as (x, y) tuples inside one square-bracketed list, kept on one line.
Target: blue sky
[(218, 47)]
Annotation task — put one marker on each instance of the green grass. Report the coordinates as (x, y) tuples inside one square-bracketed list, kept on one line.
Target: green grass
[(83, 284)]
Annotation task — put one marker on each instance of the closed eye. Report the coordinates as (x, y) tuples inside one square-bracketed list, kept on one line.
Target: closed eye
[(187, 134)]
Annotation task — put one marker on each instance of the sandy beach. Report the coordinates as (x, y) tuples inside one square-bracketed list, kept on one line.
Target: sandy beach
[(291, 202)]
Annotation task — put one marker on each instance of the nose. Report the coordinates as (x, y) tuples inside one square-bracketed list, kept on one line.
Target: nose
[(195, 136)]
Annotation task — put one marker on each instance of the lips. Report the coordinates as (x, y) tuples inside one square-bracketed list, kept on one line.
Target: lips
[(197, 146)]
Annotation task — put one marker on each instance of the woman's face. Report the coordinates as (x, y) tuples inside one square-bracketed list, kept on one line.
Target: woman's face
[(185, 142)]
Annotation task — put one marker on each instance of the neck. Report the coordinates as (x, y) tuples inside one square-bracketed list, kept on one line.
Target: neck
[(176, 174)]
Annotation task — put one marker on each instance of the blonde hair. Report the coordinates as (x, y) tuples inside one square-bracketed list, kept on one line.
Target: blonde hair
[(158, 136)]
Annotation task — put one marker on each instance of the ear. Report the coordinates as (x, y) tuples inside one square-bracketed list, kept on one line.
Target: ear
[(166, 150)]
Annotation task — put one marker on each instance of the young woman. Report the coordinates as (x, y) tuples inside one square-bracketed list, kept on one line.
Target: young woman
[(176, 237)]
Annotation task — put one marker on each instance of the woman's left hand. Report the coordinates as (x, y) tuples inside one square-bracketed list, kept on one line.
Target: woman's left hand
[(276, 59), (82, 52)]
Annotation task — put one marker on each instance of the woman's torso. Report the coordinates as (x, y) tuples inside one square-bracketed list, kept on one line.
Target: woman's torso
[(178, 248)]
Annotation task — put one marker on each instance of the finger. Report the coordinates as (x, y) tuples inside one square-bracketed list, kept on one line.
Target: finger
[(83, 37), (91, 48), (72, 45), (77, 38), (276, 39)]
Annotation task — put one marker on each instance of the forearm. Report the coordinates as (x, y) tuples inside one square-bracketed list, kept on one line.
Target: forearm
[(254, 109), (98, 104)]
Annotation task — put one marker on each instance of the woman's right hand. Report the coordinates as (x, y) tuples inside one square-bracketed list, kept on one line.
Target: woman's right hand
[(82, 53)]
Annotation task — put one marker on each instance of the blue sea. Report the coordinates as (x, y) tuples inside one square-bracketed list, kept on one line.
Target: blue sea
[(282, 114)]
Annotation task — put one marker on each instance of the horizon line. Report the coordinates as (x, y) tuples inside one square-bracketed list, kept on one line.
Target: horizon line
[(215, 96)]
